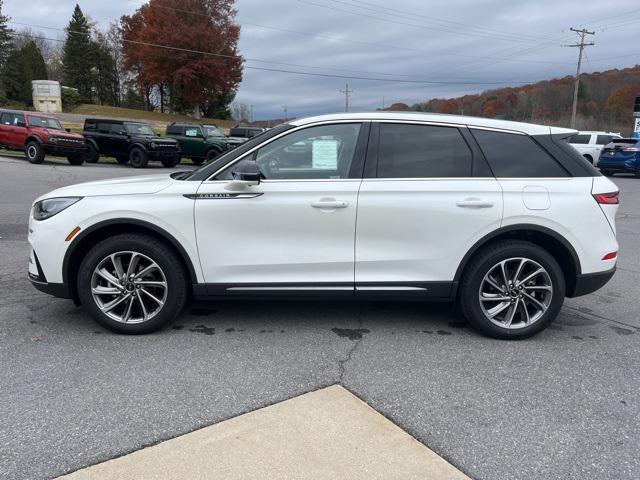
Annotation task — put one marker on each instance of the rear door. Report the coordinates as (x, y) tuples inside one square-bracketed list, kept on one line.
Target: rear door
[(430, 197), (17, 135)]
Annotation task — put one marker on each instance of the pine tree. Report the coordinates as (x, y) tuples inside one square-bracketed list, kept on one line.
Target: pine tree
[(5, 38), (77, 61), (22, 67)]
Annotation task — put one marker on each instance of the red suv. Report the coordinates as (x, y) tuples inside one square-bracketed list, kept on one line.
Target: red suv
[(37, 134)]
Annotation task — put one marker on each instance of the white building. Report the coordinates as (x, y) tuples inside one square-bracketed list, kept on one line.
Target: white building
[(46, 96)]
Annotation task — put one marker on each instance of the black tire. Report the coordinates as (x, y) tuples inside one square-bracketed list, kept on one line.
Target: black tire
[(212, 153), (76, 159), (197, 161), (156, 250), (483, 262), (122, 159), (170, 162), (589, 158), (607, 173), (138, 158), (34, 152), (91, 154)]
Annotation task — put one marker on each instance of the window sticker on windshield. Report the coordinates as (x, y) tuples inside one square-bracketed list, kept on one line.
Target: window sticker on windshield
[(324, 155)]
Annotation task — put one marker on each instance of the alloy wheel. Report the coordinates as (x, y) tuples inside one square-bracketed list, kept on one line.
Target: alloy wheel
[(129, 287), (32, 152), (515, 293)]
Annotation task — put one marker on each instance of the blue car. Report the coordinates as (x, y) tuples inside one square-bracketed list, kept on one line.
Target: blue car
[(622, 155)]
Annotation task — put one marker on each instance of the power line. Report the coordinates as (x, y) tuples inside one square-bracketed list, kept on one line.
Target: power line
[(226, 56), (581, 46)]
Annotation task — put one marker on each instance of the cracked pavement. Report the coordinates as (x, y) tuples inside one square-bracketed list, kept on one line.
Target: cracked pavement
[(561, 405)]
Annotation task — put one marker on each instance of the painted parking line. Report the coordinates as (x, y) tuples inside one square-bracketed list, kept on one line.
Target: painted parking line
[(326, 434)]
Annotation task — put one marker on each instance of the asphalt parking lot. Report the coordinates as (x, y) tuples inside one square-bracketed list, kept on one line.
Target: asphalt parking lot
[(564, 404)]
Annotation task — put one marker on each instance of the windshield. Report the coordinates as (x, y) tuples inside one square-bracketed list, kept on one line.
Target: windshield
[(44, 122), (138, 129), (212, 131)]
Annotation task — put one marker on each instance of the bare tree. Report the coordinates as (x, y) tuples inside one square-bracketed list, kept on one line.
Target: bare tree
[(240, 111)]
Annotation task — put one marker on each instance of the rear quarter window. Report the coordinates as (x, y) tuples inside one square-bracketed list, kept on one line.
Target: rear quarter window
[(513, 155), (580, 139)]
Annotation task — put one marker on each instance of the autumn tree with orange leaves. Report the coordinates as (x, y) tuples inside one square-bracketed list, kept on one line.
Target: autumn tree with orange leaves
[(182, 54)]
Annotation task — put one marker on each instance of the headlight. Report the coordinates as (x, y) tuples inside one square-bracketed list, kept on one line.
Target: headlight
[(152, 145), (52, 139), (51, 206)]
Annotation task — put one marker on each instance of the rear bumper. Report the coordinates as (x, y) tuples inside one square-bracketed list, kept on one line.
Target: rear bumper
[(590, 282)]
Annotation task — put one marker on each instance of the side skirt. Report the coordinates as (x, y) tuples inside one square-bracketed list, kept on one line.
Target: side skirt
[(424, 291)]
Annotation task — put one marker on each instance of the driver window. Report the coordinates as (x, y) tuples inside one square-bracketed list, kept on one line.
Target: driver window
[(322, 152)]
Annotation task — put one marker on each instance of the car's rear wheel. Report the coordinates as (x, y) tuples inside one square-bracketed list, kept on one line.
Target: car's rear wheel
[(138, 158), (122, 159), (197, 161), (75, 159), (91, 154), (607, 173), (132, 283), (34, 152), (512, 290)]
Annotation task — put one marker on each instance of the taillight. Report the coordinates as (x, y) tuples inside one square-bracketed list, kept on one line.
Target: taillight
[(631, 149), (612, 198), (610, 256)]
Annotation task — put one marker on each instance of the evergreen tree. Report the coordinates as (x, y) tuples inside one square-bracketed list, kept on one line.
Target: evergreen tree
[(77, 55), (5, 38), (22, 67)]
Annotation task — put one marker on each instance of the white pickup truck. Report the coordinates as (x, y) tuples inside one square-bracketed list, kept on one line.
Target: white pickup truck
[(590, 144)]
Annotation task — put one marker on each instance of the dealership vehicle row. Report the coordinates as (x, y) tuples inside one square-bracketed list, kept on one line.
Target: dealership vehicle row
[(134, 142)]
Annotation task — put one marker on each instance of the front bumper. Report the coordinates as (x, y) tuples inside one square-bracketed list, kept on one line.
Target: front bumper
[(39, 281), (63, 150), (163, 154), (590, 282)]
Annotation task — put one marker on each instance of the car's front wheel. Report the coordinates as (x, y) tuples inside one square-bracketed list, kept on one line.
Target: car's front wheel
[(512, 290), (170, 162), (132, 283), (91, 154), (35, 152), (138, 158), (75, 159)]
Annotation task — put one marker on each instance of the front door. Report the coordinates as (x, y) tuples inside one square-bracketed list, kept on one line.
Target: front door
[(430, 199), (295, 230)]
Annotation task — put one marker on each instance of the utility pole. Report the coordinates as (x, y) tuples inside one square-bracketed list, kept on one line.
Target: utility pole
[(284, 107), (383, 102), (251, 113), (346, 92), (582, 32)]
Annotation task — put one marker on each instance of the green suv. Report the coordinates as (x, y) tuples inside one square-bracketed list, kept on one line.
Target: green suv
[(198, 142)]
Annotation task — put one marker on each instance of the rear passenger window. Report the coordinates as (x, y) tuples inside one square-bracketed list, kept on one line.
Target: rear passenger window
[(422, 151), (517, 156), (583, 139), (174, 130), (192, 132), (104, 128), (11, 118)]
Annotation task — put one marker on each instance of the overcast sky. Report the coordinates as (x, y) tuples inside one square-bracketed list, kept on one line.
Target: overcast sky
[(461, 43)]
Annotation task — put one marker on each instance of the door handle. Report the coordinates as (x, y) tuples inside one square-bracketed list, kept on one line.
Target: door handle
[(330, 204), (474, 203)]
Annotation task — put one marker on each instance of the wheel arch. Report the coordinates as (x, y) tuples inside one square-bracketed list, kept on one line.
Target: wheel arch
[(92, 142), (562, 251), (96, 233), (137, 145), (33, 137), (214, 147)]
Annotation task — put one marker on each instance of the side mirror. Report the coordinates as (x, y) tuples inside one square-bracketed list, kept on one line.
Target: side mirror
[(245, 174)]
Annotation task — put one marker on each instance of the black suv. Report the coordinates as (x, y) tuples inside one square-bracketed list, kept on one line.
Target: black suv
[(132, 142)]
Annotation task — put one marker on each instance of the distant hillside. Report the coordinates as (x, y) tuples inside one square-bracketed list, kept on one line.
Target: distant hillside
[(605, 101)]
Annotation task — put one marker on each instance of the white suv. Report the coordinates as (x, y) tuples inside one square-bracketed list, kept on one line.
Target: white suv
[(505, 218), (590, 144)]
